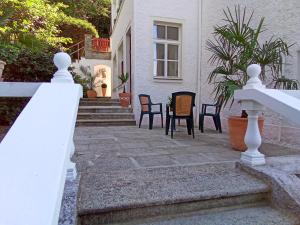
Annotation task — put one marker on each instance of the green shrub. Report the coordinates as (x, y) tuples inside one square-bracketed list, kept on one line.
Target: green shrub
[(26, 65)]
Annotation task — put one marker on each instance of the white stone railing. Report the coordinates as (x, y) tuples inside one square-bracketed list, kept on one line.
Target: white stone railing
[(35, 154), (254, 98)]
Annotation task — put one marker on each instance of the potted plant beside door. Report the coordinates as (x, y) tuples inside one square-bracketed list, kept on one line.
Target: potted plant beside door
[(124, 96), (104, 88), (92, 83), (235, 46)]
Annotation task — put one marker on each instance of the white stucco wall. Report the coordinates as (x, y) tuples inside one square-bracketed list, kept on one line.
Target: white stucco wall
[(123, 23), (198, 17), (282, 19), (173, 11)]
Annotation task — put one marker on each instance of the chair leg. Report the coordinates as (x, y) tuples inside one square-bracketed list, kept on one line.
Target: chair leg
[(162, 120), (201, 123), (216, 122), (188, 126), (172, 127), (141, 119), (150, 121), (167, 124), (219, 123)]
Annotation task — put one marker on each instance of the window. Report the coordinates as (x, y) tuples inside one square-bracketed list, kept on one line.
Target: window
[(167, 50)]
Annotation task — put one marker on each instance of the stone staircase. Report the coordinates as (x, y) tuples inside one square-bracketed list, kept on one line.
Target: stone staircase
[(103, 112), (215, 194)]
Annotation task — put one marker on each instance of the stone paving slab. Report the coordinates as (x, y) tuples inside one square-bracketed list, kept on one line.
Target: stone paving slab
[(102, 192), (281, 173)]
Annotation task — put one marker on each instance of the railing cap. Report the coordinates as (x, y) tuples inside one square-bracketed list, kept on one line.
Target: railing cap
[(254, 82), (62, 61)]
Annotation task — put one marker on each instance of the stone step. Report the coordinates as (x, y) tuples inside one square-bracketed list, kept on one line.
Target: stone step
[(104, 109), (99, 103), (251, 215), (141, 194), (97, 116), (99, 99), (105, 122)]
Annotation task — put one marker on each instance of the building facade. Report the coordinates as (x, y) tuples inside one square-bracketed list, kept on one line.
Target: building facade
[(162, 45)]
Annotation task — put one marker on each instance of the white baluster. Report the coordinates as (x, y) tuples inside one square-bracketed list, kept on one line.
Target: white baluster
[(2, 65), (62, 61), (253, 137)]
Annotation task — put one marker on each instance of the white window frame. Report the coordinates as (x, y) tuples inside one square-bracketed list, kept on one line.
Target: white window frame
[(166, 42)]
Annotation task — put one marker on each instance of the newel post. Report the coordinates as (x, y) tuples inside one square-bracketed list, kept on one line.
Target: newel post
[(253, 137), (62, 61)]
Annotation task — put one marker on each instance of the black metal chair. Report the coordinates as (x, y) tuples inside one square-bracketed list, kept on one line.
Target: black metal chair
[(146, 108), (182, 108), (215, 115)]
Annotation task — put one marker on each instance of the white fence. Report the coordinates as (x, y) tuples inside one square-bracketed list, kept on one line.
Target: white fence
[(254, 98), (35, 154)]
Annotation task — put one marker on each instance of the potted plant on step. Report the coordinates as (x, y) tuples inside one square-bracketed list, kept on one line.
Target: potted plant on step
[(92, 83), (104, 88), (124, 97), (235, 46)]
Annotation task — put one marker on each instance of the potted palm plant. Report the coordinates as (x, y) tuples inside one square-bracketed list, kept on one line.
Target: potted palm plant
[(234, 47), (104, 88), (92, 82), (124, 96)]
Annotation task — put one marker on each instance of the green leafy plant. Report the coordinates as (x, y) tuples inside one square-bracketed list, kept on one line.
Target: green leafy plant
[(235, 46), (123, 78), (26, 65), (92, 82)]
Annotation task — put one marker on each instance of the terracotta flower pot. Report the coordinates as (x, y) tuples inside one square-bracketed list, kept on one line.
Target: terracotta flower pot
[(237, 127), (104, 92), (91, 94), (124, 99)]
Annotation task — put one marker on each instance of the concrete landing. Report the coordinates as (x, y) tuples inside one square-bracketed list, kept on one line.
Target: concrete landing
[(129, 173)]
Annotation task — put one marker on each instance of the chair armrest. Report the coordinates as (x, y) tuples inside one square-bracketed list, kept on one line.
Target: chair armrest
[(212, 105), (204, 107), (156, 104)]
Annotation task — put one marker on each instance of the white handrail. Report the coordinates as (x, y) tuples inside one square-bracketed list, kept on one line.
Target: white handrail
[(254, 98), (18, 89), (35, 154), (278, 101)]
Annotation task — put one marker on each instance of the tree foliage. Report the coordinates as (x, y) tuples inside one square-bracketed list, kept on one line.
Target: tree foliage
[(96, 12), (37, 22)]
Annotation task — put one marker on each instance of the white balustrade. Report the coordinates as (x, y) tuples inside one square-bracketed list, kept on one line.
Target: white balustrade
[(254, 98), (62, 61), (35, 153), (2, 65)]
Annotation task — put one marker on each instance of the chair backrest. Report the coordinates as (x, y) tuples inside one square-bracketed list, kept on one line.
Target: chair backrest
[(145, 101), (183, 103), (219, 104)]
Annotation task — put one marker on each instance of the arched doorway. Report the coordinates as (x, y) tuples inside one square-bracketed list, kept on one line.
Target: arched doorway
[(103, 76)]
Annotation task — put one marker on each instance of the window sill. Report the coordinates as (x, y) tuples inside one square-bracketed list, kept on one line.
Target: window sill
[(167, 80)]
